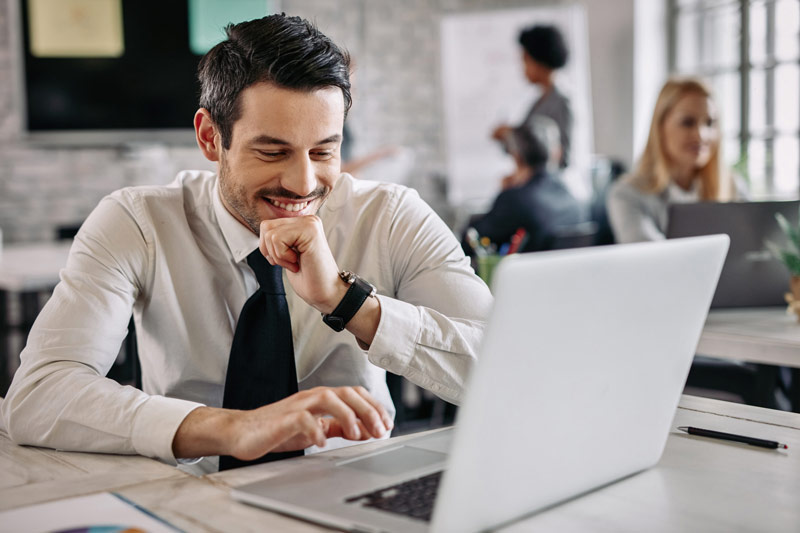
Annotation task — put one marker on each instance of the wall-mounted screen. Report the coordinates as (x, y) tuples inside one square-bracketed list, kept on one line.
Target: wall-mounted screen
[(108, 71)]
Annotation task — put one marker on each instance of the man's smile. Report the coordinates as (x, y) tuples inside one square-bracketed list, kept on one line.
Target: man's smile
[(289, 206)]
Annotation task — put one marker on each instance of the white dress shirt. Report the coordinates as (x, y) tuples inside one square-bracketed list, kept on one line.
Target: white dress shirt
[(176, 257)]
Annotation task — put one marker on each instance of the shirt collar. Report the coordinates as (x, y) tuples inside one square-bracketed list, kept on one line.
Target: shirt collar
[(241, 241)]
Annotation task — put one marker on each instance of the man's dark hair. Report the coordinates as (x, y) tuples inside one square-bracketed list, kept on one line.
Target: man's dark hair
[(546, 45), (287, 51)]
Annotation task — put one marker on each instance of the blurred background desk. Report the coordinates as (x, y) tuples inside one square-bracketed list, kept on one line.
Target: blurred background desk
[(758, 335), (26, 271), (766, 336), (699, 484)]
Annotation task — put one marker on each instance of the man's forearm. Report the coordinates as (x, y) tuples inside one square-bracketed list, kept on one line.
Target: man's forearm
[(301, 420), (205, 431)]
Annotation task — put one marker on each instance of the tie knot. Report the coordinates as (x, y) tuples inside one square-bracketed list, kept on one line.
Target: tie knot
[(270, 278)]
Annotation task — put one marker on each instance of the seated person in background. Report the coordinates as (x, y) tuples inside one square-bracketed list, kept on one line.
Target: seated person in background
[(681, 163), (228, 274), (544, 52), (534, 197)]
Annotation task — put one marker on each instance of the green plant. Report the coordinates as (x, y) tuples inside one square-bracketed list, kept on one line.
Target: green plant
[(790, 255)]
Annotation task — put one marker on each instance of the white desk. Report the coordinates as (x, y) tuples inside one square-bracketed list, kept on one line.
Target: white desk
[(758, 335), (32, 266), (766, 335), (699, 484)]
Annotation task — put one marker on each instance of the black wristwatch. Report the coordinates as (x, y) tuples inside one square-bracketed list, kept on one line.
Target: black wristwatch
[(353, 299)]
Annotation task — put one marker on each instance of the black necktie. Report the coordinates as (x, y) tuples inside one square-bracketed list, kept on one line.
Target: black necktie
[(261, 366)]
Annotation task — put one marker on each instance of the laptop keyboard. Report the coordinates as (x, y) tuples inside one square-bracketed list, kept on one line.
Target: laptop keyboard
[(412, 498)]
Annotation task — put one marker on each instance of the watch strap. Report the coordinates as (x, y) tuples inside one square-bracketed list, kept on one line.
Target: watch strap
[(353, 299)]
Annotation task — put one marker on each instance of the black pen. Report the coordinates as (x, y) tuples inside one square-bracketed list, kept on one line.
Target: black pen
[(730, 436)]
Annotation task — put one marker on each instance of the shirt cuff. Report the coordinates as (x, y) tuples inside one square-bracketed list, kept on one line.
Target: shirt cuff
[(397, 335), (155, 424)]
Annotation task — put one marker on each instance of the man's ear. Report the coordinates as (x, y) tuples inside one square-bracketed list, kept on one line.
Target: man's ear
[(207, 135)]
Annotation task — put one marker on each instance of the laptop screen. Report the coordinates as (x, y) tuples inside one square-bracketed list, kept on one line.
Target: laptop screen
[(751, 276)]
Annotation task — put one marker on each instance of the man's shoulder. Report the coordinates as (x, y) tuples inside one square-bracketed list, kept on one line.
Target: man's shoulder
[(368, 187), (189, 189), (351, 191)]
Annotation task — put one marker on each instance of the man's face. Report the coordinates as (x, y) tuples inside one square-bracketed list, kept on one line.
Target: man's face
[(284, 155)]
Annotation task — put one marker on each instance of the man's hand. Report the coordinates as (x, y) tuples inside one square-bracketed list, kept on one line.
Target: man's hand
[(294, 423), (298, 244)]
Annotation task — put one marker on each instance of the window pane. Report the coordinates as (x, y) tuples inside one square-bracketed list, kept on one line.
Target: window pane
[(727, 95), (756, 165), (687, 47), (787, 98), (787, 165), (721, 31), (787, 29), (730, 151), (758, 33), (758, 101)]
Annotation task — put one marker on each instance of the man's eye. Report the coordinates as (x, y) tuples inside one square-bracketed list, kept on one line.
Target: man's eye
[(271, 155), (323, 155)]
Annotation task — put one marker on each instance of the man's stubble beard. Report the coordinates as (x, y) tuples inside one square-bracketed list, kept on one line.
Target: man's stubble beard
[(235, 197)]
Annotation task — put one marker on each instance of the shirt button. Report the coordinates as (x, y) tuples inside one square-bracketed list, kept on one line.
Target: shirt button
[(385, 361)]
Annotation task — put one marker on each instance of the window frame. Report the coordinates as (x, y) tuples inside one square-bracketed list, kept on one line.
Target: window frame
[(744, 69)]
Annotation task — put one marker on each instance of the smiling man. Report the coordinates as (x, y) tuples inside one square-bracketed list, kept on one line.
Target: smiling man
[(270, 299)]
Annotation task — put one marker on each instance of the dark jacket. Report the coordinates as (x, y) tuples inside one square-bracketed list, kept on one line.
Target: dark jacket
[(539, 206)]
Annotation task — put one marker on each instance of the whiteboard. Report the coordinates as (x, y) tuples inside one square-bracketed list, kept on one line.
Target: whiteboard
[(484, 85)]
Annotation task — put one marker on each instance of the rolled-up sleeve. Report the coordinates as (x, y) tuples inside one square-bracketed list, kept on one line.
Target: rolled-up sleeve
[(431, 330), (60, 397)]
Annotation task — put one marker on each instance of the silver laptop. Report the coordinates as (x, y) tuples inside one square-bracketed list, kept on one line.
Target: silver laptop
[(752, 276), (579, 375)]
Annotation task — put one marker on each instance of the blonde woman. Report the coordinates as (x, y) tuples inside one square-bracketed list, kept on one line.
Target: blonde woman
[(681, 163)]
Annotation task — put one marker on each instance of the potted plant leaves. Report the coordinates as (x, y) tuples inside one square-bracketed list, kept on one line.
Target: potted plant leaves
[(789, 255)]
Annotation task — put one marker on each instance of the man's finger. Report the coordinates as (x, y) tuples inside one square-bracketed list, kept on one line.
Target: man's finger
[(324, 401), (368, 413), (284, 256), (364, 393), (307, 424), (333, 428)]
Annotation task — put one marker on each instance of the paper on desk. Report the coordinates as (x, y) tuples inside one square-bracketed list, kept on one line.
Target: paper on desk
[(84, 514)]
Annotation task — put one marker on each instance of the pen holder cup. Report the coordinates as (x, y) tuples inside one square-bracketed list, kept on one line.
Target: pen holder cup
[(486, 266)]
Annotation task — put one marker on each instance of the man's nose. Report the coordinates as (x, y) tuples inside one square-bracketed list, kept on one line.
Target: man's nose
[(301, 178)]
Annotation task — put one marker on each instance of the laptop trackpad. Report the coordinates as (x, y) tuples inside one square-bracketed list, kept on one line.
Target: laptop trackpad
[(396, 461)]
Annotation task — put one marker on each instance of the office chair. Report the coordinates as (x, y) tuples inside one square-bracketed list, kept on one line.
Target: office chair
[(575, 236), (605, 171)]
